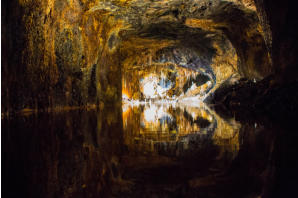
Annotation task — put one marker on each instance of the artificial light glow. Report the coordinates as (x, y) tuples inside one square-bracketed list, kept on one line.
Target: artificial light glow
[(124, 96), (150, 114), (155, 112), (153, 87), (149, 89)]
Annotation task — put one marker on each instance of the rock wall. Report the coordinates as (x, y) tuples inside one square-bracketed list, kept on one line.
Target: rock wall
[(279, 22), (66, 54), (58, 54)]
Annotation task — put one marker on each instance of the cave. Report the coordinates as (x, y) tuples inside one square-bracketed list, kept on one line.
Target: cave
[(149, 98)]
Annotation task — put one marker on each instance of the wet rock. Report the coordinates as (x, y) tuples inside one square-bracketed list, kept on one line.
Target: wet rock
[(260, 100)]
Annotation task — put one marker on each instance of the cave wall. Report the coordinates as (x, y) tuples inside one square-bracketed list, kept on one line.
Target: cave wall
[(65, 54), (239, 23), (58, 54), (279, 20)]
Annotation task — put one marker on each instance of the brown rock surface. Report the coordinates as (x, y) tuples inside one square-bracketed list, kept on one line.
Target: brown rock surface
[(71, 53)]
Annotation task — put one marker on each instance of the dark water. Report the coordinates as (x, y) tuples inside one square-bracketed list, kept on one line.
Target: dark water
[(153, 150)]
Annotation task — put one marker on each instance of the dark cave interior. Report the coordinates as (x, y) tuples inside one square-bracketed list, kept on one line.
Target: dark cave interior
[(149, 98)]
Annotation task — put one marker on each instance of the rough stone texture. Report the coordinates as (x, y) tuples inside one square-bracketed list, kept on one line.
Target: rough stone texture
[(70, 53), (276, 95), (174, 82), (279, 20), (62, 54), (58, 55)]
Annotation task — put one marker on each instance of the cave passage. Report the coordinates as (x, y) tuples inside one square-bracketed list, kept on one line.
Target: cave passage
[(143, 98)]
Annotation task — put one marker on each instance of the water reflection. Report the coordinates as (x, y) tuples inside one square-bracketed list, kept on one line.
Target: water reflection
[(177, 129), (155, 150), (67, 154)]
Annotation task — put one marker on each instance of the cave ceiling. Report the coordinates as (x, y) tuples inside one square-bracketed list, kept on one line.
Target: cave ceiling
[(199, 27)]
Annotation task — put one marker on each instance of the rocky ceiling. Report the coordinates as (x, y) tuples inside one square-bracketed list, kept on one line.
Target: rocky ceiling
[(199, 26)]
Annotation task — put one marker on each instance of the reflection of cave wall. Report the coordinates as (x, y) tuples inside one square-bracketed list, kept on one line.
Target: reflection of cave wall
[(62, 155), (169, 130)]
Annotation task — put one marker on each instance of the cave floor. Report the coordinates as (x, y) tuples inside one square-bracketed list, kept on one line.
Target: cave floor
[(153, 150)]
